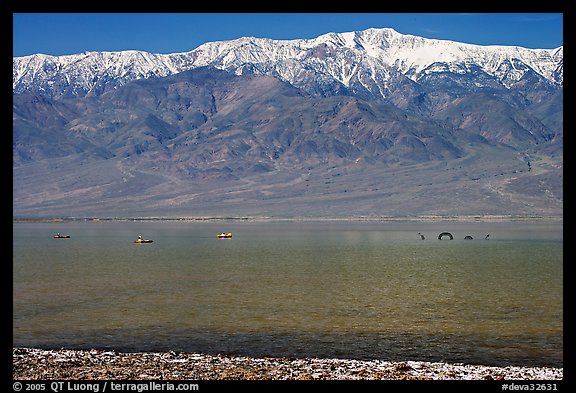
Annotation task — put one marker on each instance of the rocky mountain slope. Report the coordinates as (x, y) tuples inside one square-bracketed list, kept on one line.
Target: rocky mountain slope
[(364, 62), (370, 123)]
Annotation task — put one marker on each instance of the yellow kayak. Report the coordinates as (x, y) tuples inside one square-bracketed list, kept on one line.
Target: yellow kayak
[(224, 235)]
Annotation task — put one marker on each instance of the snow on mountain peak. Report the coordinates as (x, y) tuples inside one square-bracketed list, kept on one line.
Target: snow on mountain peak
[(365, 58)]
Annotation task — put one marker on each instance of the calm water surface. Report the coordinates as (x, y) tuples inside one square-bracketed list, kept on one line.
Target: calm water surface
[(335, 289)]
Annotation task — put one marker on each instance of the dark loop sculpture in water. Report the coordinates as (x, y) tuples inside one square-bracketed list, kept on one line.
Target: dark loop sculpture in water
[(445, 234)]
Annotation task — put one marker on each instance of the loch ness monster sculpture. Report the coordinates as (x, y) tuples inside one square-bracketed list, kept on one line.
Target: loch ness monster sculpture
[(440, 236)]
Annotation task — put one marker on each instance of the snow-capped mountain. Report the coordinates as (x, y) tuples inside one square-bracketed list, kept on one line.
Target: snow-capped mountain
[(362, 63), (361, 123)]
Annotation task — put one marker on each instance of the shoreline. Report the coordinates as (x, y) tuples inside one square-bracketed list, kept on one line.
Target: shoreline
[(65, 364), (429, 218)]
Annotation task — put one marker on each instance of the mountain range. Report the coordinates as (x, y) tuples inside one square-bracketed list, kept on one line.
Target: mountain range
[(370, 123)]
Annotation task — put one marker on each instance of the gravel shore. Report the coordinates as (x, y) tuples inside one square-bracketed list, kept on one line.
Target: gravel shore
[(63, 364)]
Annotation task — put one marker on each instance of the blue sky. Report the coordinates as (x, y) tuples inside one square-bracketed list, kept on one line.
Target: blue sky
[(69, 33)]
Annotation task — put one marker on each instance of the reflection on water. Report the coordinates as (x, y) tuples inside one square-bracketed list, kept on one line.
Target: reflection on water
[(341, 289)]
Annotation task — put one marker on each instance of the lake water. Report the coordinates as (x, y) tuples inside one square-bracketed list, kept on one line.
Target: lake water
[(364, 290)]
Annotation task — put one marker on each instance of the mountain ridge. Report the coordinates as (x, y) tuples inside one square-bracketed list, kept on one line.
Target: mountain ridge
[(285, 138), (383, 52)]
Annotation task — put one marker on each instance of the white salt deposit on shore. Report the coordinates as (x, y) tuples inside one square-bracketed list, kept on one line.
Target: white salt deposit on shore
[(37, 364)]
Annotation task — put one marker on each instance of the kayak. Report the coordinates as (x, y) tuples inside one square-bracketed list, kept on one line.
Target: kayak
[(143, 241), (61, 236), (224, 235)]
